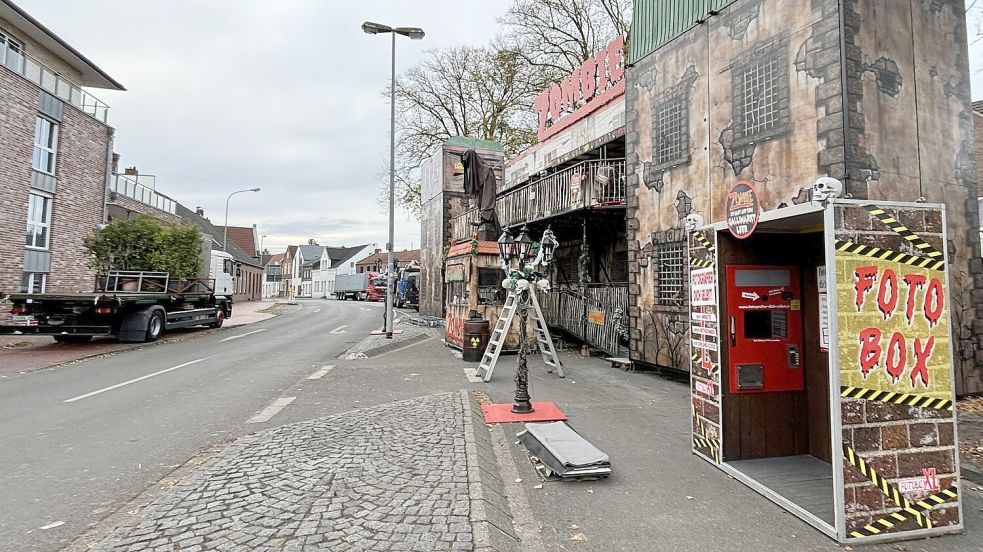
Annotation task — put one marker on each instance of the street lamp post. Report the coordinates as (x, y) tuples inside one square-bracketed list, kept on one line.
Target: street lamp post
[(520, 250), (225, 238), (414, 33)]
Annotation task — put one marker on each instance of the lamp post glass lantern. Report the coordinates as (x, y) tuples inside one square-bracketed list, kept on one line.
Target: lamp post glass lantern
[(414, 33), (518, 282)]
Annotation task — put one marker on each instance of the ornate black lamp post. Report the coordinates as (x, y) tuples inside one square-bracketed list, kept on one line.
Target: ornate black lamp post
[(518, 279)]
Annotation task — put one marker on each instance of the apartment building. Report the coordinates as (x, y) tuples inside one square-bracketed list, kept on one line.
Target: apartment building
[(55, 156)]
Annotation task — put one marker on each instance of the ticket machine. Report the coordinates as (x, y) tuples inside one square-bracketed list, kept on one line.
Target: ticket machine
[(764, 329)]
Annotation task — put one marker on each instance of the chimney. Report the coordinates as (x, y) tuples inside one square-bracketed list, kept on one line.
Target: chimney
[(200, 212), (131, 171), (311, 242), (377, 251)]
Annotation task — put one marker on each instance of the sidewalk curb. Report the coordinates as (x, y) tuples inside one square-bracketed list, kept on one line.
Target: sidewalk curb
[(491, 517), (971, 472)]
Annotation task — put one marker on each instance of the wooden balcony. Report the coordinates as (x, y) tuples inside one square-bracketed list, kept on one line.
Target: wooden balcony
[(598, 315), (589, 184), (463, 226)]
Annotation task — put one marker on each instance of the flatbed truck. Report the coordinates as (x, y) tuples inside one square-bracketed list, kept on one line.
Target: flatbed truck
[(132, 306)]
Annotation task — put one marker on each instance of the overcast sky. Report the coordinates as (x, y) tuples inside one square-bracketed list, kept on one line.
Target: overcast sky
[(285, 95)]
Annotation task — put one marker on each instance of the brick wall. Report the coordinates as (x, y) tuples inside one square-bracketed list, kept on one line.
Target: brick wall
[(42, 54), (77, 205)]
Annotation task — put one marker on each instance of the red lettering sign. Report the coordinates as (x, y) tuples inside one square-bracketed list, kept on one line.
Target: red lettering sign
[(895, 350), (600, 79)]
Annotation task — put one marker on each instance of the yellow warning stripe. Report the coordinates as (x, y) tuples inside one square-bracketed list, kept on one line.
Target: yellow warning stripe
[(700, 440), (714, 367), (700, 263), (843, 246), (887, 488), (895, 398), (903, 231), (924, 505), (703, 241)]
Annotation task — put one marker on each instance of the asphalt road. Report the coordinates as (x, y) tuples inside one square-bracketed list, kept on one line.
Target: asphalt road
[(78, 441)]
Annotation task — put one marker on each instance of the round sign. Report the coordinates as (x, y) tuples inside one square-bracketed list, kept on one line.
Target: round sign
[(743, 209)]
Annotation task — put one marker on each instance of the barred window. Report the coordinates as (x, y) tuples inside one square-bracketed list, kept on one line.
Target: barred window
[(760, 97), (669, 259), (760, 92), (670, 119)]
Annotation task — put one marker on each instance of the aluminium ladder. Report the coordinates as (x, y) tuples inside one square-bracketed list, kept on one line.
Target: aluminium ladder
[(501, 330)]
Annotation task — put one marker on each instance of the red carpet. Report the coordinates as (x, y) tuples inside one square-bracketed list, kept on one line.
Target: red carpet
[(502, 413)]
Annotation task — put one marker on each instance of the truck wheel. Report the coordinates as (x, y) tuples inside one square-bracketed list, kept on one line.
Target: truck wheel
[(219, 319), (363, 296), (73, 338), (155, 326)]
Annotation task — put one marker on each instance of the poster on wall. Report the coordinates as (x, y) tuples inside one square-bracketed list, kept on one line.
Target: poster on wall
[(742, 210), (893, 329)]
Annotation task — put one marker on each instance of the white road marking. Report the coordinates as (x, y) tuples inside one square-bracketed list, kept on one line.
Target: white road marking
[(339, 329), (243, 335), (141, 378), (317, 310), (52, 525), (320, 373), (272, 410)]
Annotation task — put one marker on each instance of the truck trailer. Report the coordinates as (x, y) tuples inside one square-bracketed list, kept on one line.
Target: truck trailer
[(134, 306), (366, 286)]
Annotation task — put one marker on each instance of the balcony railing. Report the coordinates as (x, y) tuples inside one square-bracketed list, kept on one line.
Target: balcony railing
[(463, 226), (55, 84), (595, 183), (128, 186), (598, 316)]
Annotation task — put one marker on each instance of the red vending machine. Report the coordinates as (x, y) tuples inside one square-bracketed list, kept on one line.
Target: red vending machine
[(764, 328)]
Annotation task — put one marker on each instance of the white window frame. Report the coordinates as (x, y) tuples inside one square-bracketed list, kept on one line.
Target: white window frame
[(45, 149), (31, 276), (46, 224)]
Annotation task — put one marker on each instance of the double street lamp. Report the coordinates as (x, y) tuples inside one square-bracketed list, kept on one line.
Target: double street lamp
[(519, 265), (225, 238), (416, 34)]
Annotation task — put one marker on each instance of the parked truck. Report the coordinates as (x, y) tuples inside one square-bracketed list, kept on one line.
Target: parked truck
[(366, 286), (408, 288), (130, 305)]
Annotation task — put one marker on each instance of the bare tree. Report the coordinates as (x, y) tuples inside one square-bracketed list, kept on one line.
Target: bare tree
[(487, 92), (558, 36)]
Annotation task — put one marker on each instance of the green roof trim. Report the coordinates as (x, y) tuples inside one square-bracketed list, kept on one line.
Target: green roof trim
[(657, 22), (473, 143)]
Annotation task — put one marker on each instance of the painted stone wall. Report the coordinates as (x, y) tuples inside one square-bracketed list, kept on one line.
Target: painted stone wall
[(767, 103), (753, 94)]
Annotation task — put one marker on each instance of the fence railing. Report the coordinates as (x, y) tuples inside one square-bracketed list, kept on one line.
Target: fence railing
[(53, 83), (464, 225), (593, 183), (128, 186), (591, 316)]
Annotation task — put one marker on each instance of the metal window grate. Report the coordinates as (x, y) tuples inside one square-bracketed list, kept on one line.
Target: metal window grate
[(669, 132), (671, 274), (761, 82)]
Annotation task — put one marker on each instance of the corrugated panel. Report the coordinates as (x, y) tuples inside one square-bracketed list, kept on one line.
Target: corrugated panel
[(50, 106), (44, 182), (656, 22), (37, 261)]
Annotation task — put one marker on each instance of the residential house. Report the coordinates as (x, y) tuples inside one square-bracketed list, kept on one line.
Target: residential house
[(318, 265), (247, 238), (273, 276), (290, 284), (55, 155), (248, 274), (376, 262)]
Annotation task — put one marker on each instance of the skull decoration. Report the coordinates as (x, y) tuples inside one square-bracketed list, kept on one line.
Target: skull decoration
[(826, 188), (693, 221), (543, 285), (522, 285), (507, 283)]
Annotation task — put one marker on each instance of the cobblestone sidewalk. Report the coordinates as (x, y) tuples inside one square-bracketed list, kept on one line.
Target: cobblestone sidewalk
[(392, 477)]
